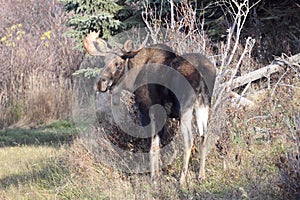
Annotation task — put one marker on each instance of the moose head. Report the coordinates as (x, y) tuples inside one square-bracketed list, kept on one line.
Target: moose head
[(116, 59)]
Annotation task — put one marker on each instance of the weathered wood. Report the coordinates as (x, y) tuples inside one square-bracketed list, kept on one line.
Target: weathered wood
[(255, 75), (262, 72), (295, 58), (252, 76), (238, 100)]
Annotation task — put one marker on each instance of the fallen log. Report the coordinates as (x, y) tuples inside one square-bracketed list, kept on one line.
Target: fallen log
[(266, 71), (252, 76), (295, 59)]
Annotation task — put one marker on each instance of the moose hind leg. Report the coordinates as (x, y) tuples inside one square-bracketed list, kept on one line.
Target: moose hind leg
[(201, 111), (186, 131), (154, 149), (154, 157)]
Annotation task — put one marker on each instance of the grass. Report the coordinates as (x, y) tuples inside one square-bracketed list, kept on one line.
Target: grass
[(30, 160), (70, 172), (24, 169), (56, 133)]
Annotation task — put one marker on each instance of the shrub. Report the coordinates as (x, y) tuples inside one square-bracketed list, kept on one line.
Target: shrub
[(37, 63)]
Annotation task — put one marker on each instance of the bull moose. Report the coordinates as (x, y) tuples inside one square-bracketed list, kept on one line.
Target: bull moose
[(195, 68)]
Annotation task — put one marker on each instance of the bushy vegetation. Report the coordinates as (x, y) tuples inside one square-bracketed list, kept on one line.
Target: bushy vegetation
[(37, 62), (256, 155)]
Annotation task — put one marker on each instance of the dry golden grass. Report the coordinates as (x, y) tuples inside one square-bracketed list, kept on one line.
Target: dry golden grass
[(74, 174), (20, 159), (21, 167)]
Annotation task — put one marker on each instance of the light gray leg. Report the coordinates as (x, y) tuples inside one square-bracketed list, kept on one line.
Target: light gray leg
[(154, 157), (203, 147), (186, 130), (154, 150), (202, 118)]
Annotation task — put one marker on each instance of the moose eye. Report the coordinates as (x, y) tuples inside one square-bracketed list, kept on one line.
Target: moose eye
[(103, 80)]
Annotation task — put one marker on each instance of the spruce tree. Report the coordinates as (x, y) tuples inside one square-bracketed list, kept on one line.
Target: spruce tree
[(92, 15)]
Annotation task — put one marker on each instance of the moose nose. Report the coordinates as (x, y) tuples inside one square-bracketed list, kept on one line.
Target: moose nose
[(102, 84)]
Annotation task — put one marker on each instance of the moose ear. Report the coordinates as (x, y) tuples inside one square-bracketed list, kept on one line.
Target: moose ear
[(128, 46)]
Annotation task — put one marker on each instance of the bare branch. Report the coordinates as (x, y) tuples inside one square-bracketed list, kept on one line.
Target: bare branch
[(249, 45), (238, 100), (172, 15)]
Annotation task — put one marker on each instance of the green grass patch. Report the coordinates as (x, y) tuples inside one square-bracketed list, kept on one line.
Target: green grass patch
[(57, 133)]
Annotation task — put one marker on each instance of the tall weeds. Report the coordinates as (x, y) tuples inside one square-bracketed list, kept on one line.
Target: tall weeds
[(37, 61)]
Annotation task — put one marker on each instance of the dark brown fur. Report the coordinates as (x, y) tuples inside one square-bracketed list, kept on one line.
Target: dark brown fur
[(198, 71), (195, 68)]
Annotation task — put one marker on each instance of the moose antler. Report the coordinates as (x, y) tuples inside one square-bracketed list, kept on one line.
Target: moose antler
[(128, 46), (95, 46), (142, 45)]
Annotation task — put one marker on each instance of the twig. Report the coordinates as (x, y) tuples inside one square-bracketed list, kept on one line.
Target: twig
[(277, 83), (288, 85), (249, 45), (246, 88), (258, 117), (239, 100)]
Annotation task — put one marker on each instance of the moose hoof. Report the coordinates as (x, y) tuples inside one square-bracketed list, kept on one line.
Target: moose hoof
[(154, 179), (182, 180), (201, 179)]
